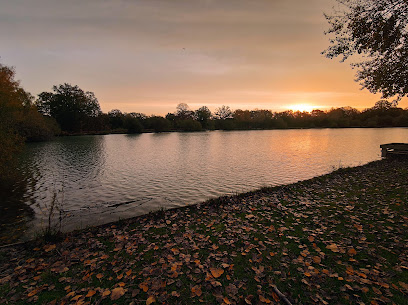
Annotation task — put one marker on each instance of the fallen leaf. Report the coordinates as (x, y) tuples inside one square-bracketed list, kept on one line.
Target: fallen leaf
[(333, 247), (264, 300), (216, 272), (358, 227), (352, 252), (248, 300), (106, 293), (196, 291), (275, 297), (376, 291), (150, 300), (49, 248), (385, 285), (144, 287), (34, 292), (75, 298), (117, 293), (90, 293)]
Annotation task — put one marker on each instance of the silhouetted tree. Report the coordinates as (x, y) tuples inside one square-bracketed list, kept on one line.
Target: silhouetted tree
[(138, 115), (10, 106), (183, 112), (223, 113), (189, 125), (132, 124), (69, 105), (242, 119), (203, 116), (158, 124), (19, 121), (35, 127), (377, 29), (383, 105), (116, 119)]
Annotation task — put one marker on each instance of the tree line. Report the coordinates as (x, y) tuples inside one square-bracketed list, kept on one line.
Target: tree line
[(67, 109), (382, 114)]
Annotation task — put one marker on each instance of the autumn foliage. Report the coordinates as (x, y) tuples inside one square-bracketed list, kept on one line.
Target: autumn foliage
[(20, 121)]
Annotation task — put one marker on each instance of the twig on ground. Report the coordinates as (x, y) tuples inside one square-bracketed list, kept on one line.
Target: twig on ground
[(281, 295)]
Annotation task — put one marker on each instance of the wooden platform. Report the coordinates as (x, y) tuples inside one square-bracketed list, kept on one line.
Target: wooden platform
[(394, 149)]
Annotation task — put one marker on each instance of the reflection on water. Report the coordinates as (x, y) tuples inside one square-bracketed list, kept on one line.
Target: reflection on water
[(104, 178), (14, 214)]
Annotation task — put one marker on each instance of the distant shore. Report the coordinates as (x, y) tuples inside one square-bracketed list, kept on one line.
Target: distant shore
[(97, 133), (337, 238)]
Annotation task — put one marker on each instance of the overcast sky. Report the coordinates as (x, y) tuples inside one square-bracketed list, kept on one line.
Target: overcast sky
[(149, 55)]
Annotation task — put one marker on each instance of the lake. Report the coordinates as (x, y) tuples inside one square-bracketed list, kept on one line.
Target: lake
[(98, 179)]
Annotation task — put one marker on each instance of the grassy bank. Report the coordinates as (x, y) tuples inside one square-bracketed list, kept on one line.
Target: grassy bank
[(339, 238)]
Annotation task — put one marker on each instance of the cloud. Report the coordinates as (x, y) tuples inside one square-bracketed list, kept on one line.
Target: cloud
[(140, 52)]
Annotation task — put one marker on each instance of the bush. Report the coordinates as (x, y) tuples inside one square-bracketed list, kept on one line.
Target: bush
[(189, 125), (133, 124)]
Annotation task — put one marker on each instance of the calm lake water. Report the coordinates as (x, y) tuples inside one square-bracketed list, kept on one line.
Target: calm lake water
[(100, 179)]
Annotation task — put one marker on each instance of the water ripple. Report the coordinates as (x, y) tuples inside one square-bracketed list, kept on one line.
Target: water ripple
[(104, 178)]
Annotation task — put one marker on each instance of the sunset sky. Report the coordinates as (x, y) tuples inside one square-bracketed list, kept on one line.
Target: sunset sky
[(150, 55)]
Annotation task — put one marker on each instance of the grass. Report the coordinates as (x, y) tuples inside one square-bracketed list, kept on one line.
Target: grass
[(281, 236)]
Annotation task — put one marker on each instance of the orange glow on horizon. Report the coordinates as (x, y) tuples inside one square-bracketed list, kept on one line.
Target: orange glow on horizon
[(302, 107)]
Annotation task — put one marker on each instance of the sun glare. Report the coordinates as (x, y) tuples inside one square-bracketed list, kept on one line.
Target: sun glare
[(302, 107)]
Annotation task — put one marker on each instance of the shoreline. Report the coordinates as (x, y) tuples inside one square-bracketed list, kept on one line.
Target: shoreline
[(149, 131), (212, 201), (318, 240)]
